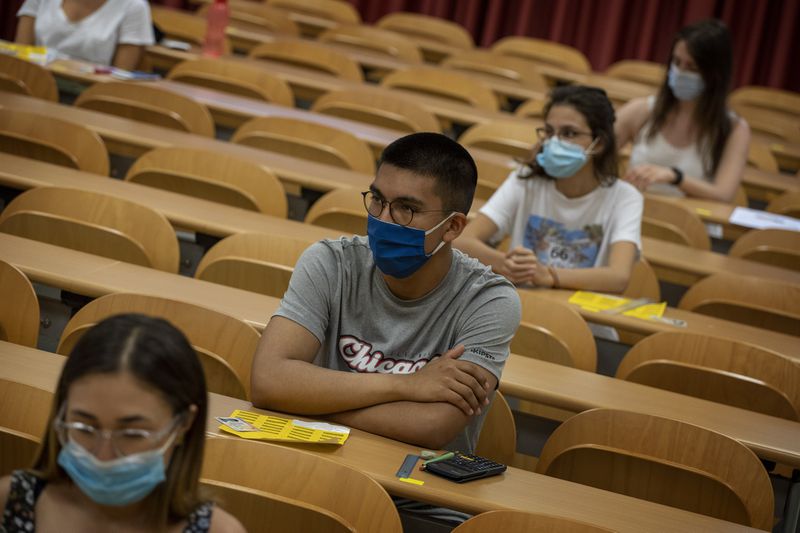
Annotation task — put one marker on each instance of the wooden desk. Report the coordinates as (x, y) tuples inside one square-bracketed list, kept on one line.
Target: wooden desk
[(183, 212), (576, 390), (94, 276), (379, 458), (313, 84), (685, 266), (131, 138), (672, 262), (787, 345)]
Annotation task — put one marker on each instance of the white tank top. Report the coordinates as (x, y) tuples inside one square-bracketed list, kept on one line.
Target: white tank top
[(658, 151)]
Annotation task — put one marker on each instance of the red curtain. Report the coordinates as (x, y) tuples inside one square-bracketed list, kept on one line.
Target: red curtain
[(764, 31)]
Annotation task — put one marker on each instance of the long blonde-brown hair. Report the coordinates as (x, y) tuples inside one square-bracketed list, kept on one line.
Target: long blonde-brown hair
[(158, 355)]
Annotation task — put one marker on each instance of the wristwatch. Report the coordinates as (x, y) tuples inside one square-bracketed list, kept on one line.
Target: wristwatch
[(678, 176)]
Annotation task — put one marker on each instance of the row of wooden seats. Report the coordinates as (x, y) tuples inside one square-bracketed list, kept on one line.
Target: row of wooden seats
[(742, 375), (136, 234), (363, 105), (587, 448)]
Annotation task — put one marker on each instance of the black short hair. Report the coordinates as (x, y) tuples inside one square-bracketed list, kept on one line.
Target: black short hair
[(441, 158)]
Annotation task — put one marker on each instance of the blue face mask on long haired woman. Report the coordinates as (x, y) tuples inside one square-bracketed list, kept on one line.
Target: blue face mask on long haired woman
[(685, 85), (562, 159), (118, 482), (397, 250)]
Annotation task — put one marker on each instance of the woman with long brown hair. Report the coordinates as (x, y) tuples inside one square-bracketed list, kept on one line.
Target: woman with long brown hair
[(686, 142), (124, 444)]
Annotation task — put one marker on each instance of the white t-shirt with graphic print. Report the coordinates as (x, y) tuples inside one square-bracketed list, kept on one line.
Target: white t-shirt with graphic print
[(94, 38), (565, 232)]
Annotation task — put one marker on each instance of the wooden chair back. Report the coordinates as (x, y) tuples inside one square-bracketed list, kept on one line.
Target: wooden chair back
[(661, 460), (23, 421), (288, 472), (233, 77), (311, 56), (378, 108), (17, 450), (763, 303), (333, 10), (787, 204), (554, 332), (23, 77), (212, 176), (643, 282), (374, 39), (775, 247), (445, 84), (307, 140), (769, 98), (19, 307), (255, 262), (670, 221), (183, 26), (484, 63), (94, 223), (531, 108), (426, 27), (498, 438), (340, 209), (514, 139), (52, 140), (760, 156), (716, 369), (263, 512), (646, 72), (509, 521), (225, 345), (25, 408), (137, 101), (771, 125), (246, 14), (543, 51)]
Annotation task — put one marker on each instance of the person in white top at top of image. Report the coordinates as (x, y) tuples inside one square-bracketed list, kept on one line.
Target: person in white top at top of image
[(686, 142), (572, 223), (105, 32)]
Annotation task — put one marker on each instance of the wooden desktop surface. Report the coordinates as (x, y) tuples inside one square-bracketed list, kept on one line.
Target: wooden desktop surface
[(696, 323), (675, 263), (231, 111), (576, 390), (380, 458), (94, 276), (131, 138), (182, 211)]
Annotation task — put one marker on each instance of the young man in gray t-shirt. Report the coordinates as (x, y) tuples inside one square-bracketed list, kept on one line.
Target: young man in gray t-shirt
[(395, 333)]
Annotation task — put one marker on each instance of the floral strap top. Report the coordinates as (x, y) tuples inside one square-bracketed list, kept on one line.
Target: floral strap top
[(18, 516)]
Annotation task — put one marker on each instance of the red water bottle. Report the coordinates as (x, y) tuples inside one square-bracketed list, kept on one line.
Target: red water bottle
[(214, 44)]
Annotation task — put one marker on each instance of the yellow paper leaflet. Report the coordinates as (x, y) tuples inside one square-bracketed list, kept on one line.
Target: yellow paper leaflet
[(276, 428)]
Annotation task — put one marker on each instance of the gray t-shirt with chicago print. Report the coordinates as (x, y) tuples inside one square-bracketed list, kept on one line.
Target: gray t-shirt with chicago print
[(339, 295)]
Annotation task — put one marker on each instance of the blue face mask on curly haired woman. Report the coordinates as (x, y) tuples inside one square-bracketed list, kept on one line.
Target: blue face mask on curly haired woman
[(562, 159)]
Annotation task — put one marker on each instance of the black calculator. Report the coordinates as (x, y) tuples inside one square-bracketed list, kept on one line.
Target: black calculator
[(464, 467)]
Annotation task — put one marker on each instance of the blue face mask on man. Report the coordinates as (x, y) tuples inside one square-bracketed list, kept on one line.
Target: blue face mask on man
[(397, 250), (562, 159), (685, 85), (118, 482)]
